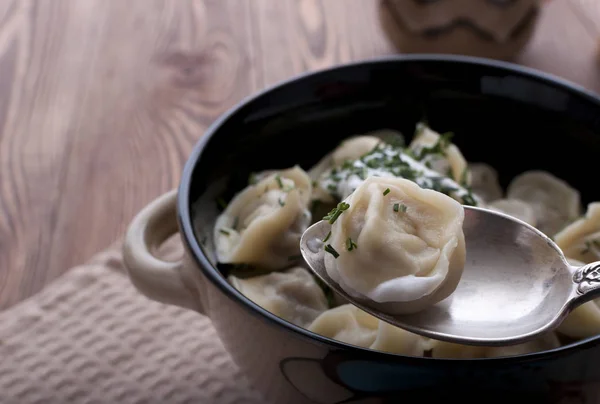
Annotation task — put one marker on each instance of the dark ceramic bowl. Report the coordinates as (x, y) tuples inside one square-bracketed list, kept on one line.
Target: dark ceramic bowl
[(511, 117)]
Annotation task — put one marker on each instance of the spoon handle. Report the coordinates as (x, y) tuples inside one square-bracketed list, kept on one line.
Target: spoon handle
[(587, 281)]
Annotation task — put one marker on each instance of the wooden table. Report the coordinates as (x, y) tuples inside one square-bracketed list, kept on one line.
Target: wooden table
[(102, 101)]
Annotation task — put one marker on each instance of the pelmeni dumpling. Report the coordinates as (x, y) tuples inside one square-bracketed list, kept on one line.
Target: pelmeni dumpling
[(292, 294), (349, 149), (580, 240), (353, 326), (398, 245), (347, 324), (554, 201), (544, 343), (447, 160), (449, 350), (516, 208), (262, 225), (484, 182)]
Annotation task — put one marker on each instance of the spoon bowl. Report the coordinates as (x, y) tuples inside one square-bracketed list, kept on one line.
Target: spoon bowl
[(515, 286)]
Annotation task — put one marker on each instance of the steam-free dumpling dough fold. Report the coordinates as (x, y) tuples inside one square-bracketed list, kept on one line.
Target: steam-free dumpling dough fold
[(449, 161), (262, 225), (349, 149), (399, 247), (554, 201), (580, 240), (515, 208), (449, 350), (353, 326), (484, 182), (293, 294)]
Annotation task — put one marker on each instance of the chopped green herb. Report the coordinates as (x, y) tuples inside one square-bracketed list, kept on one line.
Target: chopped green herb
[(279, 182), (225, 232), (315, 184), (326, 291), (327, 237), (350, 245), (403, 208), (396, 207), (468, 199), (328, 248), (332, 187), (333, 215), (221, 202), (387, 191), (464, 177)]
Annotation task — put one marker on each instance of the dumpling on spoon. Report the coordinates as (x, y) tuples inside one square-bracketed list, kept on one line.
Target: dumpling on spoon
[(396, 246)]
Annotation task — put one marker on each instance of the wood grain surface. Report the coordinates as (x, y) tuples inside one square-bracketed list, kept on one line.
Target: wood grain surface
[(102, 100)]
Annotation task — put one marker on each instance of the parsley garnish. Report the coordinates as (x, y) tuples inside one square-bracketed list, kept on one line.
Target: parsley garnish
[(350, 245), (387, 191), (396, 207), (328, 248), (327, 237), (333, 215), (463, 177), (279, 182), (225, 232), (403, 208)]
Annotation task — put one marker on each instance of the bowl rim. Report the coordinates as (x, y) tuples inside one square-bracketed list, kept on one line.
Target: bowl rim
[(212, 274)]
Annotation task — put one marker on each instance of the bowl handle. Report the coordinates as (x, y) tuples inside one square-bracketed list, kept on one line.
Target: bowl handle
[(159, 280)]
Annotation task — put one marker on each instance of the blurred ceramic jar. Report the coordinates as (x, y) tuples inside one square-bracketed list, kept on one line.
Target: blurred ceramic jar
[(497, 29)]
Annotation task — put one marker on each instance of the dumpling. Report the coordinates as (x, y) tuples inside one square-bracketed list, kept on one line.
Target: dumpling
[(347, 324), (262, 225), (450, 350), (554, 201), (397, 244), (353, 326), (293, 294), (389, 161), (584, 321), (580, 240), (516, 208), (430, 148), (484, 182), (544, 343), (349, 149)]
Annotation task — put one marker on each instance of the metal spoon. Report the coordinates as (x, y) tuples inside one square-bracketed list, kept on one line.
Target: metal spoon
[(515, 286)]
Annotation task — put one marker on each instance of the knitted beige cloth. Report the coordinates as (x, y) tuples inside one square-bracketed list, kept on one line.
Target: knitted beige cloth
[(90, 337)]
